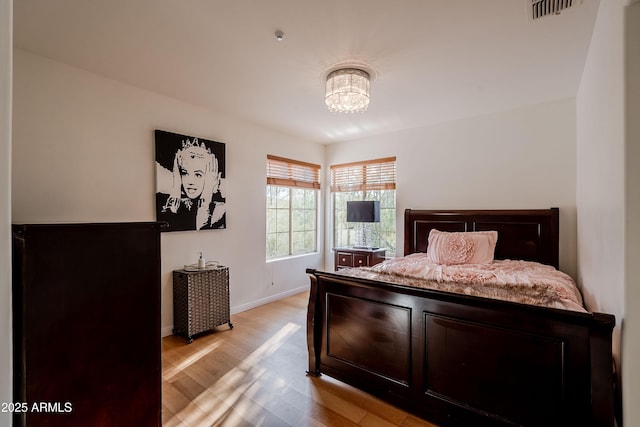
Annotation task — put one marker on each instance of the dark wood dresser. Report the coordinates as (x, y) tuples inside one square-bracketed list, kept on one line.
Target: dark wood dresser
[(86, 324), (347, 257)]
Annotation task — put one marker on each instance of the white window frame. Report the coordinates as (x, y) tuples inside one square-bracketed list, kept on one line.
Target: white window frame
[(291, 176), (365, 180)]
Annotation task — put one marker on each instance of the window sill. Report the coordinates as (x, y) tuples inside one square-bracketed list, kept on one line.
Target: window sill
[(289, 257)]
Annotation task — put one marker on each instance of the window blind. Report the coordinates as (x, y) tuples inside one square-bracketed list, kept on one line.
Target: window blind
[(292, 173), (378, 174)]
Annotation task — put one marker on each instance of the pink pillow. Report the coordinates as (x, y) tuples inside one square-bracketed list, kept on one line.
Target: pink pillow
[(473, 247)]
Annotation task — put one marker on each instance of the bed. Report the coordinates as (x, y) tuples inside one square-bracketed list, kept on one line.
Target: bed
[(465, 360)]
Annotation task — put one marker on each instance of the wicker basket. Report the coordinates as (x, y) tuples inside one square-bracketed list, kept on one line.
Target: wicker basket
[(200, 301)]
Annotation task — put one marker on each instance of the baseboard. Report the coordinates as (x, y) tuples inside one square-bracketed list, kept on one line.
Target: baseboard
[(168, 330), (267, 300)]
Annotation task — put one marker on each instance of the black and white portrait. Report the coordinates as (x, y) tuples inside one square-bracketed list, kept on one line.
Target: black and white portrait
[(189, 182)]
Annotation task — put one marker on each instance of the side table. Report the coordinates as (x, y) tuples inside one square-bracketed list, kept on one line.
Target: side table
[(348, 257)]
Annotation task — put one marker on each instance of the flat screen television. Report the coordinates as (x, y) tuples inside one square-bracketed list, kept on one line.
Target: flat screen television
[(363, 211)]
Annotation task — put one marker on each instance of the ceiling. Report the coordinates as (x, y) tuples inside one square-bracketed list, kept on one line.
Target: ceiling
[(433, 60)]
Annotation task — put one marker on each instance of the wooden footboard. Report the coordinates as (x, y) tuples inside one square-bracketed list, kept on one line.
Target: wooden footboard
[(460, 360)]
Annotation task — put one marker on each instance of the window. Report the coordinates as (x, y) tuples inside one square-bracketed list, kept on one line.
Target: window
[(292, 207), (367, 180)]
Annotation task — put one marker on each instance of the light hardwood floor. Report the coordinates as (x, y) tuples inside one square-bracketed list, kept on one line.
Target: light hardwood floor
[(254, 375)]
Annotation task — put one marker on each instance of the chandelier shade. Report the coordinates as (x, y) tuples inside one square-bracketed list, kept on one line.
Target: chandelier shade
[(347, 90)]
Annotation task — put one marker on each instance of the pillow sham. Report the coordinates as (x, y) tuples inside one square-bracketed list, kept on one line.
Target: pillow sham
[(452, 248)]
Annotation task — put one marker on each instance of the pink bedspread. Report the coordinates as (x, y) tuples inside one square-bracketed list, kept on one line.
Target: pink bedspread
[(517, 281)]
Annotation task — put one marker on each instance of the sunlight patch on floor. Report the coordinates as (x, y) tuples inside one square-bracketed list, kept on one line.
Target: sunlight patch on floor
[(170, 373), (207, 407)]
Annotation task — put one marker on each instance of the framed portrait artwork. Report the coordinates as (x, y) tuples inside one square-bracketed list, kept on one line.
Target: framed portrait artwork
[(190, 177)]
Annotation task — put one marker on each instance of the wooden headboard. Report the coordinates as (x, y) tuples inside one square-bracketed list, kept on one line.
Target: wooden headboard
[(530, 235)]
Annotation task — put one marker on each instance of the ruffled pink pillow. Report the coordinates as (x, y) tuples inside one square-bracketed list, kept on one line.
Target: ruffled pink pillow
[(473, 247)]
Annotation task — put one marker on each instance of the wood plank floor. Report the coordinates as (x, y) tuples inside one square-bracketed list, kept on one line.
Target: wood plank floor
[(254, 375)]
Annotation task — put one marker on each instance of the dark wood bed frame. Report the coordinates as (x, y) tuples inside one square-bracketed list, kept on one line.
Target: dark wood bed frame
[(459, 360)]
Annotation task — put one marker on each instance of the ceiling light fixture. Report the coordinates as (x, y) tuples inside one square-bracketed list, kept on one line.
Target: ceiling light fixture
[(347, 90)]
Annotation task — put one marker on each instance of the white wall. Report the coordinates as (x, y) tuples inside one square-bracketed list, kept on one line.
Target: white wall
[(608, 200), (601, 169), (6, 28), (518, 159), (600, 165), (631, 343), (83, 151)]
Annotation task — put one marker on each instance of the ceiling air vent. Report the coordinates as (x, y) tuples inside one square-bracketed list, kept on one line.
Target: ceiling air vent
[(542, 8)]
